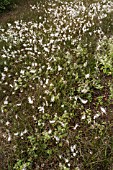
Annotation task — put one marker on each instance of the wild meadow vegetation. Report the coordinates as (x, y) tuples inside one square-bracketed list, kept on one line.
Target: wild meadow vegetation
[(56, 87), (6, 4)]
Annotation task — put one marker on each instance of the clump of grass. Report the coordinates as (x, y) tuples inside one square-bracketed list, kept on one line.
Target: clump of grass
[(53, 114)]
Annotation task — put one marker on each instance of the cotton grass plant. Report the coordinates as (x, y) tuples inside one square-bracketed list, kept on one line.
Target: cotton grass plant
[(52, 74)]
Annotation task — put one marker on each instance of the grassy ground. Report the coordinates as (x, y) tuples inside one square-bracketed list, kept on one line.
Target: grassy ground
[(20, 10), (56, 92)]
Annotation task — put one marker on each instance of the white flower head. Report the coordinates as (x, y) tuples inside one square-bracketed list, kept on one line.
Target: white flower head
[(50, 131), (96, 116), (5, 102), (73, 148), (87, 76), (66, 160), (103, 110), (57, 138), (83, 101), (75, 127), (22, 72), (83, 117), (52, 98), (9, 138), (32, 71), (41, 109), (16, 134), (52, 121), (47, 80), (30, 100), (7, 123), (59, 68)]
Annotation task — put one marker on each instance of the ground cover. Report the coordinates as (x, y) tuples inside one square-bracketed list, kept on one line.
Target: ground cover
[(56, 92)]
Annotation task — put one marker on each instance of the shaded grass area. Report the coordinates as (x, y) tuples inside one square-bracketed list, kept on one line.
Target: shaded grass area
[(56, 89), (19, 10)]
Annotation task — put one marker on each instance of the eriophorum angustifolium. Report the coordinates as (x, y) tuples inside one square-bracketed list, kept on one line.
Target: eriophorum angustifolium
[(54, 104)]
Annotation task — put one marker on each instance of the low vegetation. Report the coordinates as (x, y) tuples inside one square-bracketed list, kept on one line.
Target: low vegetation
[(6, 5), (56, 88)]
